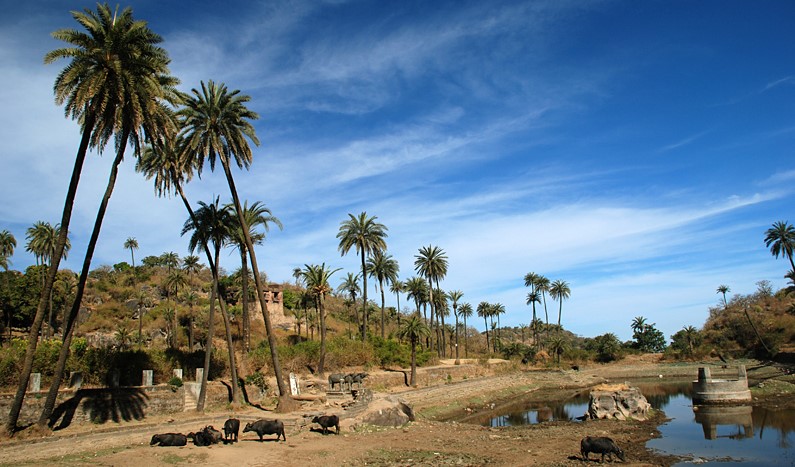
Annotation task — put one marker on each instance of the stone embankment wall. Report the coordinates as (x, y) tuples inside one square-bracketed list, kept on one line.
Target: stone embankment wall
[(101, 405)]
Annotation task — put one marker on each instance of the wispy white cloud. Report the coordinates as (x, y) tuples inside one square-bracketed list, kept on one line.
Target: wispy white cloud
[(683, 142)]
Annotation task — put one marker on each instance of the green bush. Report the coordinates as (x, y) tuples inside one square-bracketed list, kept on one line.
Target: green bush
[(175, 382), (257, 379)]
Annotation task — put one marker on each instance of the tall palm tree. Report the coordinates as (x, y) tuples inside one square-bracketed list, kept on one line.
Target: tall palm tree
[(417, 290), (780, 238), (7, 245), (559, 290), (533, 298), (431, 263), (414, 329), (191, 266), (350, 286), (455, 296), (117, 84), (465, 311), (638, 323), (256, 215), (497, 309), (317, 281), (131, 244), (211, 226), (690, 335), (175, 281), (397, 287), (724, 289), (442, 310), (216, 124), (542, 285), (365, 236), (484, 311), (384, 268), (42, 240)]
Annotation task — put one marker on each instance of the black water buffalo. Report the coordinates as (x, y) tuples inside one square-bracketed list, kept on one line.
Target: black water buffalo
[(328, 421), (231, 428), (169, 439), (600, 445), (206, 436), (215, 435), (266, 427), (338, 379), (358, 378), (200, 438)]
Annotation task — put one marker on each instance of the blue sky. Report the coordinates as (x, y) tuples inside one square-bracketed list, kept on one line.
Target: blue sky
[(636, 150)]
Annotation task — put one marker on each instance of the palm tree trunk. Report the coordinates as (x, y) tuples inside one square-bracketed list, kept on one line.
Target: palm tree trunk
[(486, 322), (466, 339), (246, 318), (413, 381), (457, 360), (283, 393), (322, 312), (68, 331), (756, 331), (364, 299), (30, 351), (231, 347), (214, 271), (383, 305), (208, 348), (560, 312)]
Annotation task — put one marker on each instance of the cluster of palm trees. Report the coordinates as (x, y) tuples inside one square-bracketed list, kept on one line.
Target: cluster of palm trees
[(117, 85), (8, 244), (559, 291)]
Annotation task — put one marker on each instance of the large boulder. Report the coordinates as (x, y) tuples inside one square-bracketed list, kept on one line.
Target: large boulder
[(620, 401), (389, 411)]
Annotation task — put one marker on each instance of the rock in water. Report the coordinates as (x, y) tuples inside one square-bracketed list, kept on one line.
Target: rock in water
[(618, 401)]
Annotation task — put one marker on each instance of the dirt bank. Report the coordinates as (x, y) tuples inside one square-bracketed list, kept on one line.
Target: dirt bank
[(426, 441)]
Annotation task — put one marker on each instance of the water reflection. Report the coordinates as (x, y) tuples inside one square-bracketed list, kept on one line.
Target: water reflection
[(709, 417), (708, 435)]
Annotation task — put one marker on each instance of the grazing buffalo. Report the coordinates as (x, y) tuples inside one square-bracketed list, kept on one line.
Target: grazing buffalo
[(266, 427), (328, 421), (169, 439), (358, 378), (231, 428), (338, 379), (600, 445)]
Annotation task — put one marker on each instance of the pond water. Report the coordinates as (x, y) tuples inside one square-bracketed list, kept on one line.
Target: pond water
[(748, 435)]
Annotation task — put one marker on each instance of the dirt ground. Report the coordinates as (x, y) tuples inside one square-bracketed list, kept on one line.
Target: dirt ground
[(426, 441)]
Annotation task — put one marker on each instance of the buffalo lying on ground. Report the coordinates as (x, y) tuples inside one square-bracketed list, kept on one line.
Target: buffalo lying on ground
[(169, 439), (206, 436), (231, 428), (328, 421), (600, 445), (266, 427)]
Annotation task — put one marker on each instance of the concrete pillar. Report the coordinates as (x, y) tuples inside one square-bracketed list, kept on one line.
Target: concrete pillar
[(178, 373), (199, 374), (741, 373), (147, 378), (704, 374), (115, 375), (34, 385)]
